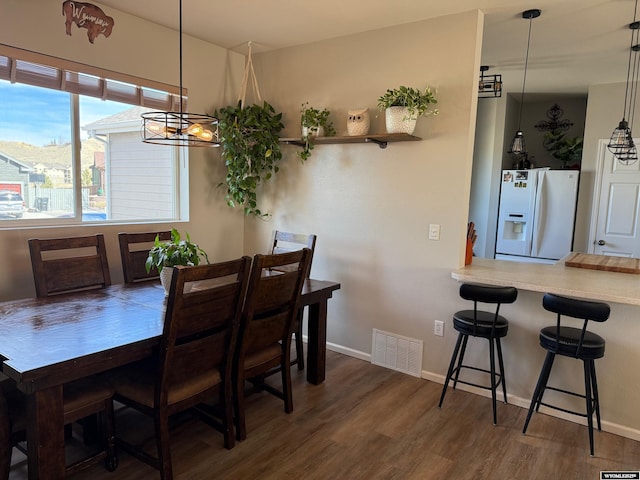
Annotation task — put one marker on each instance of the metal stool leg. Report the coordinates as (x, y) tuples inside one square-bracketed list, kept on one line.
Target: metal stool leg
[(587, 388), (465, 339), (492, 369), (451, 367), (594, 387), (540, 386), (501, 364)]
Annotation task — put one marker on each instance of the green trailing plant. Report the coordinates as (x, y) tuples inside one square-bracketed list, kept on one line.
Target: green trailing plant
[(311, 119), (176, 251), (418, 102), (250, 142), (566, 150)]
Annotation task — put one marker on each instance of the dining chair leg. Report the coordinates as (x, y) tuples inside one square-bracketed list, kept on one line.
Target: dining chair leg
[(164, 447), (299, 342), (5, 439), (238, 400), (111, 461)]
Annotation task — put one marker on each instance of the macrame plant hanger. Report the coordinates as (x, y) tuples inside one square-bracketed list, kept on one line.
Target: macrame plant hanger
[(249, 72)]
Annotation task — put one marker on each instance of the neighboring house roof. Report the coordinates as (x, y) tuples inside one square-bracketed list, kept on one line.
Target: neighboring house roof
[(9, 159), (125, 121)]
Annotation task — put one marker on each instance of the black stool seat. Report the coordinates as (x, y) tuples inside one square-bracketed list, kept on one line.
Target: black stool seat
[(567, 342), (482, 324), (576, 343)]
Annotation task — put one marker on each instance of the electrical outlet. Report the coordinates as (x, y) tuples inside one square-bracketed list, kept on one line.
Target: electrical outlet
[(438, 328)]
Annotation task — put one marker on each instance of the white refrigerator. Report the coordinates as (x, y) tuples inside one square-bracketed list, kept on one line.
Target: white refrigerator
[(536, 215)]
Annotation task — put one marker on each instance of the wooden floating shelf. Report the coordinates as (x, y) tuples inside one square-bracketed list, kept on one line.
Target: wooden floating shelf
[(379, 139)]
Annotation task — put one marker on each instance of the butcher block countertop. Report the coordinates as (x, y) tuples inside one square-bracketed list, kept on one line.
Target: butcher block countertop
[(600, 285), (603, 262)]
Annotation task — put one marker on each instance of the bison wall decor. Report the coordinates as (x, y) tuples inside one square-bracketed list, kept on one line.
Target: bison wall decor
[(87, 15)]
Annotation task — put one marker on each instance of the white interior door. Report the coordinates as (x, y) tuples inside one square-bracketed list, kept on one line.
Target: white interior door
[(617, 207)]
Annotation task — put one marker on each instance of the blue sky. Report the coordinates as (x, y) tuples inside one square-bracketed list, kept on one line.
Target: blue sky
[(40, 116)]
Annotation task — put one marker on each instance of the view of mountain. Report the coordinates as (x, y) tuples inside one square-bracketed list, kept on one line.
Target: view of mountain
[(51, 154)]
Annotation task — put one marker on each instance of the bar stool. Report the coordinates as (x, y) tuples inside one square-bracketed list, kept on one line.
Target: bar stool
[(482, 324), (575, 343)]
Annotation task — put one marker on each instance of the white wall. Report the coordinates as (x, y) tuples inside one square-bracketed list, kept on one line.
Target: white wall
[(371, 207), (212, 76)]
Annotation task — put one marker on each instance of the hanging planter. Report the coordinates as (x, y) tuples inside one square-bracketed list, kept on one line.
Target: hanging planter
[(250, 141)]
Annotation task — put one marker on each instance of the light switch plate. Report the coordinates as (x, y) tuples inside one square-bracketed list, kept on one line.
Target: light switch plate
[(434, 231)]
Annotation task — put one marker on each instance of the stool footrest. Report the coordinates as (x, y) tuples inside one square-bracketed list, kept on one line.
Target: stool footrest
[(565, 410), (455, 370)]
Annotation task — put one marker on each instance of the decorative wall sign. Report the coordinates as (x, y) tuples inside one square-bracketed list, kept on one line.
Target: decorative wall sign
[(89, 16), (554, 122)]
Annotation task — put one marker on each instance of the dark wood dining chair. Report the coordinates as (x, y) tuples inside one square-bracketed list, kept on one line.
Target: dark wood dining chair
[(288, 242), (62, 265), (272, 302), (195, 357), (80, 399), (134, 250)]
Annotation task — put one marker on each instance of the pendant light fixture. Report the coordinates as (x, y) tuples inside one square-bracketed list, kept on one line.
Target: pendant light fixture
[(180, 128), (489, 86), (518, 148), (621, 143)]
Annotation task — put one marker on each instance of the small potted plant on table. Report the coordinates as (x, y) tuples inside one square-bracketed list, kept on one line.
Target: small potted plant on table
[(165, 255), (403, 106), (314, 123)]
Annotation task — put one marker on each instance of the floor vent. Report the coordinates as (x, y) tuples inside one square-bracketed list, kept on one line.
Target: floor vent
[(397, 352)]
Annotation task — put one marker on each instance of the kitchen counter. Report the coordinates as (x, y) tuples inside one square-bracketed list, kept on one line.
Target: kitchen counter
[(570, 281)]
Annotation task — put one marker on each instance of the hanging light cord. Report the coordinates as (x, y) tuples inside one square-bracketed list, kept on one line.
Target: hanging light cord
[(524, 78), (627, 113), (180, 17)]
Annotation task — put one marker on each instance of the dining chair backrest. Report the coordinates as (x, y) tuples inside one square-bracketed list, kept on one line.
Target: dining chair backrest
[(287, 242), (63, 265), (134, 250), (201, 326), (273, 296), (270, 307)]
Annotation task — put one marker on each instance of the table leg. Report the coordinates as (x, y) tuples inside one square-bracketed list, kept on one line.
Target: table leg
[(317, 342), (45, 434)]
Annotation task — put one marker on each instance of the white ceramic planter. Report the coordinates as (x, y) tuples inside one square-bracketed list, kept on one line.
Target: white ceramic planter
[(397, 120), (165, 279), (312, 132)]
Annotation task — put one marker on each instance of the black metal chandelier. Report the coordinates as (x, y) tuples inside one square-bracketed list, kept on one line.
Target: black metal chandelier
[(180, 128), (621, 143), (489, 86), (518, 148)]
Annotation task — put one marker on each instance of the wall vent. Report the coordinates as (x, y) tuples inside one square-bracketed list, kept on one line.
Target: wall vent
[(397, 352)]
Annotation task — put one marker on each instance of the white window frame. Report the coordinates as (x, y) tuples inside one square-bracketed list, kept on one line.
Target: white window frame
[(23, 66)]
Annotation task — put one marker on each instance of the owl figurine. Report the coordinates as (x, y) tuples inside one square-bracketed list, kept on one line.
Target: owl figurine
[(358, 121)]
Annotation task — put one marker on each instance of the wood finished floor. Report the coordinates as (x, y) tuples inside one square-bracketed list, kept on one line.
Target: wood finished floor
[(368, 422)]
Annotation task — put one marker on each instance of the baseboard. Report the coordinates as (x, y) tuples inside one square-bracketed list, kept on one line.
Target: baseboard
[(610, 427)]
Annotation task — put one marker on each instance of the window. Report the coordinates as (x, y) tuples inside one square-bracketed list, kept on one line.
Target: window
[(70, 145)]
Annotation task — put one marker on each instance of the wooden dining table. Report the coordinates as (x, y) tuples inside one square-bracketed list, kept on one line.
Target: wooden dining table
[(47, 342)]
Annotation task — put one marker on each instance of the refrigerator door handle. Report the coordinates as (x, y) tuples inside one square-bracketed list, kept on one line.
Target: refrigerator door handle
[(540, 213)]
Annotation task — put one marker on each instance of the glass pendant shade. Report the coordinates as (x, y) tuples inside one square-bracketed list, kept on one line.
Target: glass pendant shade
[(517, 144)]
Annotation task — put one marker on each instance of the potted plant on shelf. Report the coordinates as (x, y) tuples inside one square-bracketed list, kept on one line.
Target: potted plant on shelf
[(403, 106), (251, 151), (314, 123), (165, 255)]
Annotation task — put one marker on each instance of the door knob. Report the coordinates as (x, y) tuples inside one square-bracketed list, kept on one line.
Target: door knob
[(601, 242)]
